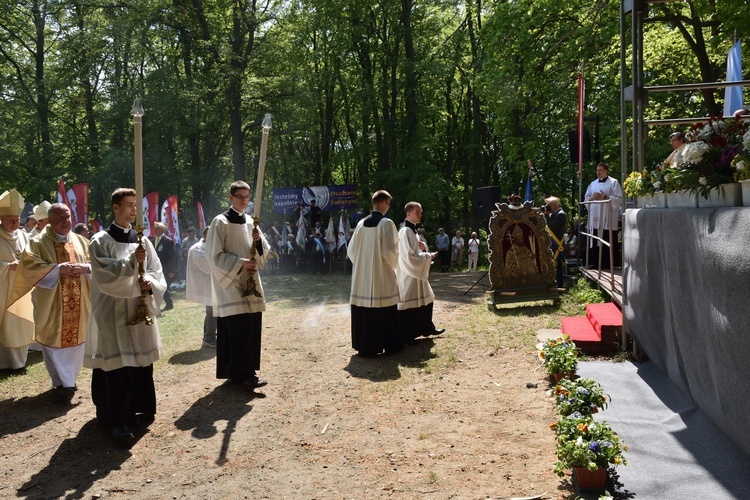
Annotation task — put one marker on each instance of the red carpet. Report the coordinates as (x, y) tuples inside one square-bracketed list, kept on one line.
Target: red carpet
[(598, 332)]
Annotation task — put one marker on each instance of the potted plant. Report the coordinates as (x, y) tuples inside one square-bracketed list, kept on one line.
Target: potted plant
[(587, 446), (560, 356), (583, 395)]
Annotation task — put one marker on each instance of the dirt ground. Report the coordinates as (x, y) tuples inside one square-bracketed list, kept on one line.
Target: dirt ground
[(449, 417)]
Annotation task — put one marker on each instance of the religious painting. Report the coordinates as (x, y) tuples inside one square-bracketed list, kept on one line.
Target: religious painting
[(520, 255)]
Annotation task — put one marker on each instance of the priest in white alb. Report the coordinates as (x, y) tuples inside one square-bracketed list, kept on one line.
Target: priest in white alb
[(120, 353), (16, 320), (416, 295), (604, 218), (373, 250), (56, 263)]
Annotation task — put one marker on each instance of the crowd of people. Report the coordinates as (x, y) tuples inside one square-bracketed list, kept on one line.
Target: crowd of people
[(92, 300)]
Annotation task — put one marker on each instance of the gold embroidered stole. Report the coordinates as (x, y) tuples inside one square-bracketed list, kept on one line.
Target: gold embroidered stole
[(70, 287)]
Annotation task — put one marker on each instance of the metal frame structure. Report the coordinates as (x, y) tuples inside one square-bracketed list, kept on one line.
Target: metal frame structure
[(637, 92)]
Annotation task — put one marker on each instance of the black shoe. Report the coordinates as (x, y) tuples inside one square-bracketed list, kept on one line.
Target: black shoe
[(122, 435), (436, 331), (168, 307), (139, 421), (255, 383), (65, 394), (210, 345)]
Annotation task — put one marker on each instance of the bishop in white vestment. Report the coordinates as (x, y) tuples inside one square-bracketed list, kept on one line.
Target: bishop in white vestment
[(16, 320), (56, 263)]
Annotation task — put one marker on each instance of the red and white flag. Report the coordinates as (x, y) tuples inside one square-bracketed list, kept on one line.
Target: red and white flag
[(62, 194), (169, 217), (201, 217), (76, 199), (150, 209), (78, 202)]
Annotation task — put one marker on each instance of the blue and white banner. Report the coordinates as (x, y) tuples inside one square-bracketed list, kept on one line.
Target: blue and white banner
[(733, 95), (328, 198)]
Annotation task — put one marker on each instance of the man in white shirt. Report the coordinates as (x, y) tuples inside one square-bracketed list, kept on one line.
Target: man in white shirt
[(122, 354), (198, 287)]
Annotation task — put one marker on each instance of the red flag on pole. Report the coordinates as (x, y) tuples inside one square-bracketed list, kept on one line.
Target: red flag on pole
[(150, 209), (581, 110), (169, 217), (78, 201), (201, 217), (62, 194)]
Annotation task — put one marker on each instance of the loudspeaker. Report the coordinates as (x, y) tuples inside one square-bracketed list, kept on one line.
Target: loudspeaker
[(573, 145), (485, 199)]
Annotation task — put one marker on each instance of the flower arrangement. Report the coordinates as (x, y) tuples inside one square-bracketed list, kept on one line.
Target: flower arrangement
[(638, 184), (584, 396), (741, 162), (707, 160), (559, 355), (582, 442)]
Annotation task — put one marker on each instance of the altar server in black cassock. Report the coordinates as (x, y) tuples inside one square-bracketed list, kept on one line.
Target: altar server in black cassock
[(239, 319), (416, 295), (373, 250), (120, 354)]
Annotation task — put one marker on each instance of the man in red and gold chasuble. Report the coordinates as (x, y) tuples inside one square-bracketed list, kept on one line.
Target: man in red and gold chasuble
[(56, 263)]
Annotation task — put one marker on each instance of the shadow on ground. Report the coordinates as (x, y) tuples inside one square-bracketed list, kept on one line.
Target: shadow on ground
[(192, 357), (385, 367), (227, 402), (77, 464), (29, 413)]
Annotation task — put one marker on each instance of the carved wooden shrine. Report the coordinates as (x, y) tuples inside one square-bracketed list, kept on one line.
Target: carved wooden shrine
[(521, 264)]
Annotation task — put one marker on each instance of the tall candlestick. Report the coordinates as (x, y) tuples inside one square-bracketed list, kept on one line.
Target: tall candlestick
[(141, 310), (262, 163), (138, 131)]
